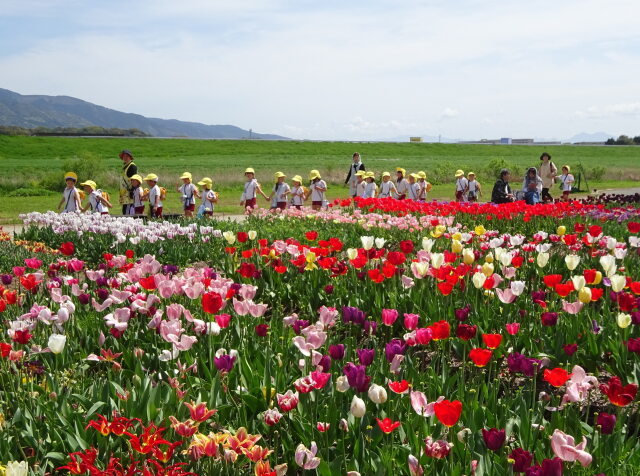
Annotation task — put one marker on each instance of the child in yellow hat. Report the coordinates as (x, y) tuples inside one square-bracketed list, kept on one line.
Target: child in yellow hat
[(137, 195), (97, 202), (370, 189), (297, 192), (387, 187), (402, 184), (360, 184), (154, 196), (462, 186), (279, 192), (188, 192), (209, 198), (414, 187), (70, 195), (318, 188), (251, 189), (424, 186)]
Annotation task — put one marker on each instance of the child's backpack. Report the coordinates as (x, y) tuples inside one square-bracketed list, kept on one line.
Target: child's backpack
[(105, 195), (82, 194), (429, 187), (305, 191), (163, 193)]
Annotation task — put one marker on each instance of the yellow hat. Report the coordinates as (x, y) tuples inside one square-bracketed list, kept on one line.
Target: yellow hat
[(153, 177), (459, 173), (370, 175), (386, 174), (136, 177), (249, 170), (415, 176), (90, 183), (400, 169), (361, 173), (206, 181), (297, 178), (277, 175), (314, 174), (185, 175), (71, 175), (471, 173), (567, 167), (422, 174)]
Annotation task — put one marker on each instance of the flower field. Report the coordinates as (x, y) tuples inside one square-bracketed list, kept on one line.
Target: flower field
[(376, 337)]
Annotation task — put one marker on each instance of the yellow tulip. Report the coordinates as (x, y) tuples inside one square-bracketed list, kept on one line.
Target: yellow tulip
[(468, 256), (561, 230), (487, 269), (584, 295), (624, 320), (456, 236), (480, 230), (598, 279), (456, 246), (489, 258)]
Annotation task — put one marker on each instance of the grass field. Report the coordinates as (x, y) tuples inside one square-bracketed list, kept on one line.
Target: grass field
[(33, 166)]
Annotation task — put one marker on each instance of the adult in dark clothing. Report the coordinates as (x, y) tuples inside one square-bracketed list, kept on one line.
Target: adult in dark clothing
[(352, 179), (501, 190), (129, 169)]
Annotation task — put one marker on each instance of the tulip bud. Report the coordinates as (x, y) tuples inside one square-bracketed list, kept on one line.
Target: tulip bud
[(427, 244), (358, 408), (572, 261), (352, 253), (468, 256), (584, 295), (377, 394), (561, 230), (578, 282), (478, 280), (456, 246), (618, 283), (542, 259), (252, 234), (342, 384), (56, 343)]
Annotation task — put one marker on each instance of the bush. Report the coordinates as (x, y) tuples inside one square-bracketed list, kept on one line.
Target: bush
[(491, 171)]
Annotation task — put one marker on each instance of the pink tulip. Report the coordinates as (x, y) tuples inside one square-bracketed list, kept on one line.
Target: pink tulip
[(248, 291), (288, 401), (411, 321), (194, 291), (256, 309), (183, 343), (306, 458), (174, 311), (578, 386), (572, 307), (389, 316), (407, 282), (223, 320), (506, 296), (421, 406), (513, 328), (166, 289), (241, 307), (565, 448), (396, 363), (327, 316), (414, 466)]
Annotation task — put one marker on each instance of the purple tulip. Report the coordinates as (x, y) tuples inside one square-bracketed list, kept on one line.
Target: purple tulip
[(224, 363), (518, 363), (393, 348), (325, 363), (84, 298), (370, 327), (298, 325), (353, 315), (337, 351), (102, 293), (6, 279), (357, 377), (366, 356), (462, 314)]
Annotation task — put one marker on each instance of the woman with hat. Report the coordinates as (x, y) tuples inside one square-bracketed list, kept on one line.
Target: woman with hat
[(297, 192), (402, 184), (129, 169), (97, 203), (370, 189), (462, 186), (70, 195), (548, 172), (251, 189), (317, 189), (209, 198), (189, 193), (279, 193), (137, 194), (154, 196), (387, 188), (473, 187), (356, 166)]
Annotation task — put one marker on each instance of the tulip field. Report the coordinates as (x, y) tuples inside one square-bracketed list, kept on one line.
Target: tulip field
[(376, 337)]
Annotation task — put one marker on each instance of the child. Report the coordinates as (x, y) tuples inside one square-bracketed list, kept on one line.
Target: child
[(280, 191), (318, 188), (473, 188), (155, 202), (532, 186), (462, 186), (424, 186), (251, 189), (566, 182), (360, 183), (414, 187), (189, 193), (209, 198), (370, 189), (297, 192), (97, 203), (387, 188), (137, 195), (70, 195), (402, 185)]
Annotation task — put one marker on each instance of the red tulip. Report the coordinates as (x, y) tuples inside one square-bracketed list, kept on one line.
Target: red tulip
[(493, 438), (387, 425), (148, 283), (619, 395), (311, 235), (551, 280), (447, 412), (211, 302), (556, 377), (492, 340), (67, 248), (633, 227), (466, 331), (440, 329), (399, 387), (480, 357)]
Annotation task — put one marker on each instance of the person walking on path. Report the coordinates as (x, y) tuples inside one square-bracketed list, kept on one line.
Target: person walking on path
[(462, 186), (318, 188), (129, 169), (402, 185), (70, 195), (387, 187), (473, 187), (548, 172), (351, 180)]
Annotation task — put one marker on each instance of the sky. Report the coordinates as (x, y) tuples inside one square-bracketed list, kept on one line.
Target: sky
[(345, 70)]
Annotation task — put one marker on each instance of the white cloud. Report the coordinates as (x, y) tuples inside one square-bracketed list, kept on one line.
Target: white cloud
[(449, 113)]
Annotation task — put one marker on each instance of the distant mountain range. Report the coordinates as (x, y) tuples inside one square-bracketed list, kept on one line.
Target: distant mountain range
[(64, 111)]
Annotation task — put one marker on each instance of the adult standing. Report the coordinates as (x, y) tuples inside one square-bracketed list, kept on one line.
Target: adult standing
[(352, 178), (548, 172), (129, 169)]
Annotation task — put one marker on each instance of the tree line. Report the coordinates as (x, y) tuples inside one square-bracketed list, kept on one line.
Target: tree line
[(72, 131), (623, 140)]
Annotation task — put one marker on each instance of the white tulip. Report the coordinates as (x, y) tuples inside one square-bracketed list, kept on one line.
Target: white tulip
[(618, 283), (342, 384), (427, 244), (578, 282), (506, 258), (620, 253), (542, 259), (608, 264), (358, 408), (367, 242), (437, 260), (213, 328), (380, 242), (420, 268), (377, 394), (229, 236), (572, 261), (252, 234), (15, 468), (56, 343), (611, 243), (478, 280), (517, 287), (352, 253)]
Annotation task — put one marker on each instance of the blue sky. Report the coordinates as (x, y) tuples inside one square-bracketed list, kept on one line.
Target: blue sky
[(339, 69)]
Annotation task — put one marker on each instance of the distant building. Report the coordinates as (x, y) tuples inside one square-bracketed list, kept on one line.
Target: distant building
[(509, 141), (505, 140), (415, 139)]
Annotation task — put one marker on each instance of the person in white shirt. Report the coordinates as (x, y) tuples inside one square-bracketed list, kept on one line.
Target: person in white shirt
[(189, 193), (70, 195), (425, 186), (547, 172), (414, 187), (279, 193), (473, 188), (356, 166), (97, 203), (402, 184), (137, 194), (387, 187), (370, 188), (462, 185), (251, 189), (297, 192), (360, 184), (208, 196), (318, 188), (566, 182), (154, 196)]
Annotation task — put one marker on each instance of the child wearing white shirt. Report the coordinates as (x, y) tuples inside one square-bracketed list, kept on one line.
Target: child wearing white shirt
[(297, 192), (279, 193), (318, 188), (251, 189), (370, 188), (189, 193), (70, 195), (208, 196), (566, 182), (387, 188), (155, 202)]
